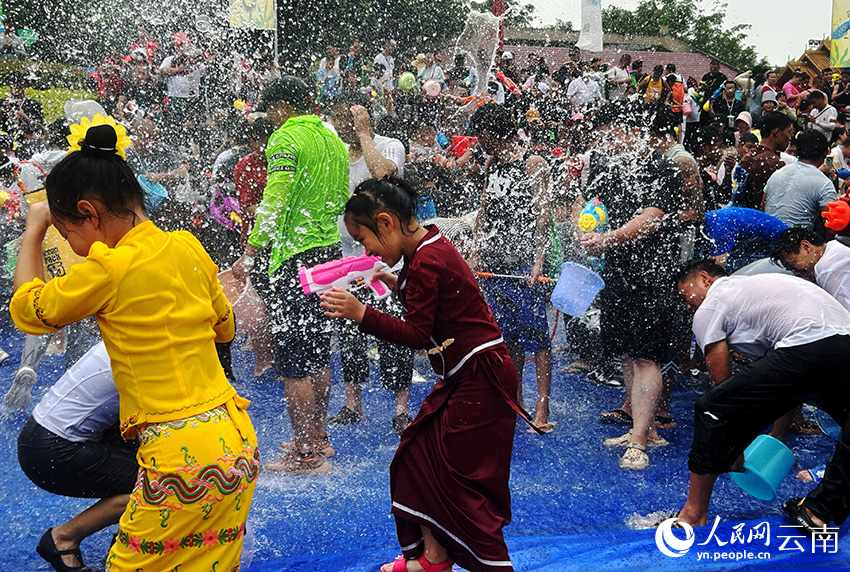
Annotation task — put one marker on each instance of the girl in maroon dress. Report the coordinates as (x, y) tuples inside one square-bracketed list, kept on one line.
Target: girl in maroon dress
[(449, 477)]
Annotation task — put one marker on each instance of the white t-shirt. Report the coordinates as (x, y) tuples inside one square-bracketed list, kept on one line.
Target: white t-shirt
[(832, 272), (84, 402), (389, 65), (617, 92), (767, 311), (584, 91), (183, 85), (358, 171)]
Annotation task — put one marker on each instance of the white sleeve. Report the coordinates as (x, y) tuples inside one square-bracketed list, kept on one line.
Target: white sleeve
[(395, 153), (709, 326), (827, 193)]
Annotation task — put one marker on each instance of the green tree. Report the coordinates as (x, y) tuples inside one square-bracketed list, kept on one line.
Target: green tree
[(516, 15), (699, 24)]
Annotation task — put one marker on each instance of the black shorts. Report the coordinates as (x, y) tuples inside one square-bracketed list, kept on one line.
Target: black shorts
[(396, 362), (729, 416), (90, 469), (300, 332), (641, 322)]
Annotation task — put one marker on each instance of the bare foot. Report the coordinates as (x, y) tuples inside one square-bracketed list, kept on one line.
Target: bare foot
[(816, 520), (692, 519)]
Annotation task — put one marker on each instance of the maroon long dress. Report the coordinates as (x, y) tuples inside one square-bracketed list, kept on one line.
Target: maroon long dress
[(451, 470)]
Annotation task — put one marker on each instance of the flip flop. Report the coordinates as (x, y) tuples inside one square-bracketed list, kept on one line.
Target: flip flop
[(615, 416), (573, 368), (545, 427), (662, 422)]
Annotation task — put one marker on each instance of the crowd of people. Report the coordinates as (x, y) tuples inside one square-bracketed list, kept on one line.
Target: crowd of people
[(471, 190)]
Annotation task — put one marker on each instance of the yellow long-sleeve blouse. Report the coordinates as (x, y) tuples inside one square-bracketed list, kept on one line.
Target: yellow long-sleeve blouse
[(160, 308)]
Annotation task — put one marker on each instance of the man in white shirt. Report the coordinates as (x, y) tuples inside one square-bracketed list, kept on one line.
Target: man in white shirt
[(370, 155), (797, 193), (822, 117), (799, 337), (619, 78), (583, 92), (183, 73), (386, 59), (807, 255)]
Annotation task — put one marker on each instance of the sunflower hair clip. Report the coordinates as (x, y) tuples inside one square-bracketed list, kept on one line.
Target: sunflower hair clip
[(99, 134)]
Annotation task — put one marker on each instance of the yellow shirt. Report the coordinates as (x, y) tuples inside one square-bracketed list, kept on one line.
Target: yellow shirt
[(653, 90), (160, 308)]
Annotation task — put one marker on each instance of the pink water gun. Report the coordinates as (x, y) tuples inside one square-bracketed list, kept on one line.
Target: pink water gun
[(350, 273)]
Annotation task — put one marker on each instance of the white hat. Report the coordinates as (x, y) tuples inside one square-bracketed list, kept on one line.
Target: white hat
[(746, 118), (76, 109), (507, 56)]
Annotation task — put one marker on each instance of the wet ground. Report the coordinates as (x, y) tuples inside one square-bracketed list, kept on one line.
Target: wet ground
[(570, 499)]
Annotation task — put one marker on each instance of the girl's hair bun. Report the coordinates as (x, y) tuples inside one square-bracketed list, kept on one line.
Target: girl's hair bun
[(100, 139)]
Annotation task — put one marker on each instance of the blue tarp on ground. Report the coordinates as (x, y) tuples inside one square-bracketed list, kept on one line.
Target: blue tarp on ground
[(570, 499)]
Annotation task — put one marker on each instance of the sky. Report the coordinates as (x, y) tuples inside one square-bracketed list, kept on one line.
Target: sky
[(780, 28)]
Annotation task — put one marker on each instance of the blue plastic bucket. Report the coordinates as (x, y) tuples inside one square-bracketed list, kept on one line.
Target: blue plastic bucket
[(827, 423), (155, 193), (766, 463), (576, 288)]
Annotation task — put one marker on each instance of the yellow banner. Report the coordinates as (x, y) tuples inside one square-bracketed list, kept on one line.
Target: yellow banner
[(252, 14), (839, 54)]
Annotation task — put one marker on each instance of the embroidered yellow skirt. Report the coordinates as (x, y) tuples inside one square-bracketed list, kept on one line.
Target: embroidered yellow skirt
[(196, 481)]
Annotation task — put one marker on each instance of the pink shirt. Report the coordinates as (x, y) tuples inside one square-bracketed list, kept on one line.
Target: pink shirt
[(790, 90)]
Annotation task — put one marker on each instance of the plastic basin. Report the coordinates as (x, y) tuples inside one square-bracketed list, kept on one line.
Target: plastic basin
[(576, 289), (766, 463)]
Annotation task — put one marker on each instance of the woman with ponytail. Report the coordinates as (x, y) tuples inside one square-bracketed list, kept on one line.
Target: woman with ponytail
[(160, 308)]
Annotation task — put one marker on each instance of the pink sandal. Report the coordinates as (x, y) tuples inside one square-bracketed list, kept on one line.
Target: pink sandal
[(400, 565)]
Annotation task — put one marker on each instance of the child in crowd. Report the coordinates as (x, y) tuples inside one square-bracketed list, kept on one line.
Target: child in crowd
[(160, 307), (449, 477)]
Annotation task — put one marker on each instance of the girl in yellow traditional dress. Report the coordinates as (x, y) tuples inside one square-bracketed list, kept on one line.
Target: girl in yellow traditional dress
[(159, 304)]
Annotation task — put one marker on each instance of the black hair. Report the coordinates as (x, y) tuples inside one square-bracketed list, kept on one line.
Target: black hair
[(711, 137), (658, 69), (789, 242), (494, 119), (260, 129), (774, 121), (664, 121), (94, 172), (637, 64), (700, 265), (749, 138), (290, 89), (387, 195), (715, 62), (671, 67), (728, 81), (17, 78), (352, 98), (811, 145)]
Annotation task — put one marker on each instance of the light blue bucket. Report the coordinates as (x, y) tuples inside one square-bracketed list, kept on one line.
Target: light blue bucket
[(766, 463), (576, 288), (155, 193)]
